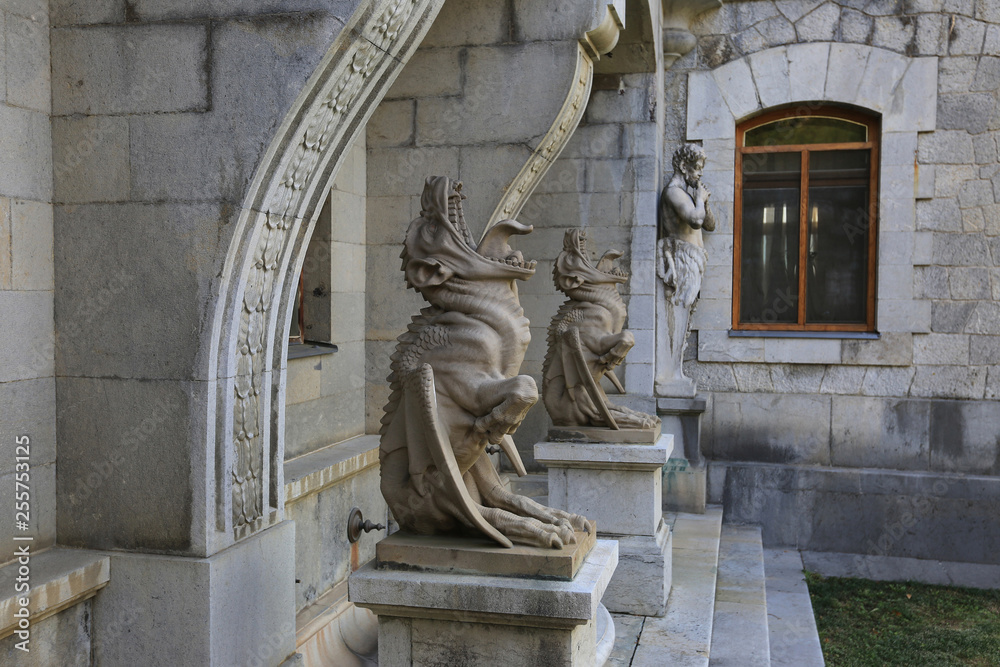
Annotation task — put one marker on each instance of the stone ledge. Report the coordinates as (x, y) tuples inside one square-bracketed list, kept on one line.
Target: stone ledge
[(606, 456), (59, 578), (315, 471)]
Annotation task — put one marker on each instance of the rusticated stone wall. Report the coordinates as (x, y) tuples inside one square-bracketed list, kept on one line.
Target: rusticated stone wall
[(922, 396)]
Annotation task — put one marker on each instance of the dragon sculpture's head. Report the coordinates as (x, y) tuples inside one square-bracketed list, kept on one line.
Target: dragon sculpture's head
[(439, 246), (573, 268)]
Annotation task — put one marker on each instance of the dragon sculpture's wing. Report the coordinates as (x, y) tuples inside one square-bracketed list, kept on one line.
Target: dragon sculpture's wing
[(577, 373), (420, 403)]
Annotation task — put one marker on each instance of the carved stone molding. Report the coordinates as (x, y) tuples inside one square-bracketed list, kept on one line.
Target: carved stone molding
[(277, 218), (592, 45), (678, 15)]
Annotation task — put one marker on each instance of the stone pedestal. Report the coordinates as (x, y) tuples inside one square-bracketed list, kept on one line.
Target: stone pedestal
[(234, 608), (431, 617), (684, 477), (620, 487)]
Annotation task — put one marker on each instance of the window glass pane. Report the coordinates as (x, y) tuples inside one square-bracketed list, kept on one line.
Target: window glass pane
[(837, 265), (806, 130), (769, 243)]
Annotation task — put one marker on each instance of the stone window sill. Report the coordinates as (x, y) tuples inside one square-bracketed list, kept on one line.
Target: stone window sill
[(60, 578), (315, 471), (300, 350), (846, 335)]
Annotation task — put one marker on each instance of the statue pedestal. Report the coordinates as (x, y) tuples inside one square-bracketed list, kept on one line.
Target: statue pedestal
[(450, 610), (619, 486), (684, 477)]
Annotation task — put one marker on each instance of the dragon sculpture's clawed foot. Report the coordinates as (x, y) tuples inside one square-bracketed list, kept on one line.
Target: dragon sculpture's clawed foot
[(628, 418), (521, 519)]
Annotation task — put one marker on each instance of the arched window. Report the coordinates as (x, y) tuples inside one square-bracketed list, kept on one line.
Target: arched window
[(805, 220)]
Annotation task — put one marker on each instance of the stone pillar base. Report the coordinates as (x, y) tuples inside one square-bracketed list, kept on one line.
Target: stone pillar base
[(620, 487), (235, 607), (442, 618), (684, 476), (641, 583)]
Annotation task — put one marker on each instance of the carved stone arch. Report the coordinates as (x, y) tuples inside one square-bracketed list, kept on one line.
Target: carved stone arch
[(247, 351), (901, 89)]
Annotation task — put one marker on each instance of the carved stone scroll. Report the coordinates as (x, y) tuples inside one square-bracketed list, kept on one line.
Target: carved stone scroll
[(271, 235)]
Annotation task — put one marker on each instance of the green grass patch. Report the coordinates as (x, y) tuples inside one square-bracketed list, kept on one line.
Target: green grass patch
[(881, 623)]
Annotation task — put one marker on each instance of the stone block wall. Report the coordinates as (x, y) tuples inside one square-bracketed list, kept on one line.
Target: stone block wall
[(922, 396), (27, 382), (161, 114), (325, 394)]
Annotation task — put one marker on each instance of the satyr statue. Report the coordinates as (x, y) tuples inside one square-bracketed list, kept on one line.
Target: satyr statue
[(586, 341), (681, 260), (455, 384)]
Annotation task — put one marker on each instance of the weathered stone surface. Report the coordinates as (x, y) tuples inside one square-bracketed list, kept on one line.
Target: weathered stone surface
[(642, 580), (931, 34), (887, 381), (893, 33), (796, 9), (880, 433), (770, 72), (711, 376), (25, 154), (949, 382), (151, 242), (985, 318), (801, 351), (950, 317), (771, 427), (842, 380), (715, 121), (430, 73), (26, 357), (95, 479), (122, 69), (941, 349), (73, 12), (963, 436), (966, 37), (29, 407), (946, 147), (855, 26), (820, 25), (145, 589), (969, 283), (31, 245), (91, 159), (910, 514), (753, 377), (972, 112), (804, 61), (960, 250), (797, 379), (984, 350), (42, 523), (27, 62), (891, 349)]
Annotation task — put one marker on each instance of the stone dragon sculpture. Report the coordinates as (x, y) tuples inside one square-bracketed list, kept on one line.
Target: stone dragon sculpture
[(455, 387), (586, 341)]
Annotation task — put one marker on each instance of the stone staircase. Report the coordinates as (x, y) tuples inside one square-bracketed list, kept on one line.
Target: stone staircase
[(733, 603)]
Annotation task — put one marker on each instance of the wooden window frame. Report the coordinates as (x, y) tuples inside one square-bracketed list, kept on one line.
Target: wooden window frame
[(873, 124)]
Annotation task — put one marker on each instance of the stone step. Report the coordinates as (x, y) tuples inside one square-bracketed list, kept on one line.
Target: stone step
[(739, 628), (794, 640), (683, 635)]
